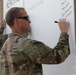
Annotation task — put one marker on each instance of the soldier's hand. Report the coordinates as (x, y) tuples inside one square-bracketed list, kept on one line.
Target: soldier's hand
[(63, 25), (3, 23)]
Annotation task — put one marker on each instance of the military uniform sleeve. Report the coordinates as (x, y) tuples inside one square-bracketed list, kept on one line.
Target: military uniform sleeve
[(1, 30), (38, 52), (2, 37)]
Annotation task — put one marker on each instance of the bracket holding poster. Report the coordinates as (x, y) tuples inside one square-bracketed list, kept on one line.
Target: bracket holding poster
[(75, 18)]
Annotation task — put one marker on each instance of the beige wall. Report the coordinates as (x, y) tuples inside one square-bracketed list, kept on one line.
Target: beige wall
[(1, 9)]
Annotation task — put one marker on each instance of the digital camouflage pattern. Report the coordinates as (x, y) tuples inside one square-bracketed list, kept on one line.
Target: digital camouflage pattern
[(23, 56), (2, 37)]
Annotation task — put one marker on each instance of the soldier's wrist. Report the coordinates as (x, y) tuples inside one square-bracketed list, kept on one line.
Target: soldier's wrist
[(63, 34)]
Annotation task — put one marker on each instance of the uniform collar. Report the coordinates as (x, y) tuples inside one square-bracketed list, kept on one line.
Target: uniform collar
[(16, 34)]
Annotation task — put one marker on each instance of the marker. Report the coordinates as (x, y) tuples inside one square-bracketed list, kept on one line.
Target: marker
[(56, 21)]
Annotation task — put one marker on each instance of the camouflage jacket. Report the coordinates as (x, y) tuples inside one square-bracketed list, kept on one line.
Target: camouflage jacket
[(2, 37), (23, 56)]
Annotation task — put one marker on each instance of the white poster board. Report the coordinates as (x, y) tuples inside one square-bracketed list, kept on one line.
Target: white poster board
[(42, 14)]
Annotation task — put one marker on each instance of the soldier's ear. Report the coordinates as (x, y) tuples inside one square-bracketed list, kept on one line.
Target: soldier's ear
[(16, 21)]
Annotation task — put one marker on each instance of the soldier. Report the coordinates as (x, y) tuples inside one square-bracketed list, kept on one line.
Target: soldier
[(23, 56), (3, 37)]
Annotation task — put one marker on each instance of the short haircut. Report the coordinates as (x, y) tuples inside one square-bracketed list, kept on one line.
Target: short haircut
[(11, 14)]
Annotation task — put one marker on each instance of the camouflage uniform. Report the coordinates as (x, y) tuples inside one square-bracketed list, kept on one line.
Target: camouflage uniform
[(2, 37), (23, 56)]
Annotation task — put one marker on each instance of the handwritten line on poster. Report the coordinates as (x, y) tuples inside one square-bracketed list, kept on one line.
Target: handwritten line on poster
[(66, 8), (9, 3), (33, 4)]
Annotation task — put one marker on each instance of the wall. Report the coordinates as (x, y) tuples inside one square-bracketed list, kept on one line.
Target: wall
[(1, 9)]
